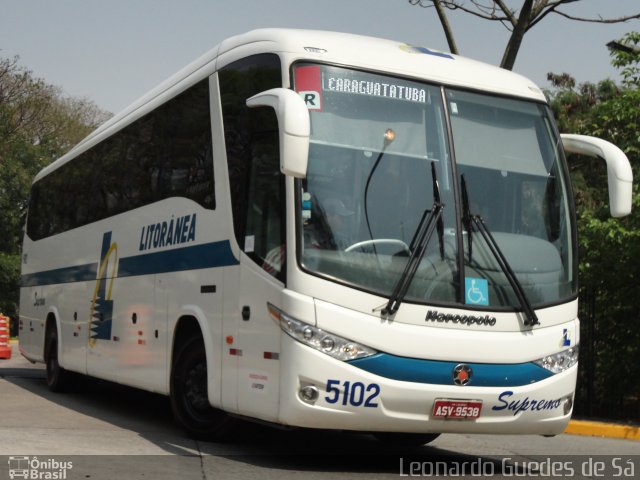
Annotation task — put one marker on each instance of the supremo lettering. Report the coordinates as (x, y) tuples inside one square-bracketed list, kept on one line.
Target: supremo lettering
[(433, 316), (172, 232), (524, 405), (376, 89)]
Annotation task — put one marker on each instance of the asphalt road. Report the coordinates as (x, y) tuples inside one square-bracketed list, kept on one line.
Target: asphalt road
[(107, 431)]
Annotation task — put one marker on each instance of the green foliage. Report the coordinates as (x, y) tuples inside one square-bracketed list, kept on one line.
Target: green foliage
[(609, 248), (628, 61), (9, 284), (609, 272), (618, 120), (37, 125)]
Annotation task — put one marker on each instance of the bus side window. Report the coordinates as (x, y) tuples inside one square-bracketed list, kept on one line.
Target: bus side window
[(167, 153), (256, 184)]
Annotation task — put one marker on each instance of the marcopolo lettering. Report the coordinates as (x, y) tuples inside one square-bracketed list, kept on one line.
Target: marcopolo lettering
[(524, 405), (434, 316), (172, 232)]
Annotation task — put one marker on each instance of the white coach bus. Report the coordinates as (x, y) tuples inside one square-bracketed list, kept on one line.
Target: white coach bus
[(319, 230)]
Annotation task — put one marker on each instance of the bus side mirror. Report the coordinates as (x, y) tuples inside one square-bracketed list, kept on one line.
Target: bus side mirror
[(619, 174), (294, 126)]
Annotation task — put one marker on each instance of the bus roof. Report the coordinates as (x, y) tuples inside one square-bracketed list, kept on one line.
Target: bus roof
[(385, 56), (389, 56)]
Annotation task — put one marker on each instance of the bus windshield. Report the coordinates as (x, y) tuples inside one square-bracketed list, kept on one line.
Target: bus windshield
[(385, 150)]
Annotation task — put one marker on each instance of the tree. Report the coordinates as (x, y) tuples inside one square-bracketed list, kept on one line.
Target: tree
[(37, 125), (609, 248), (626, 56), (9, 284), (518, 22)]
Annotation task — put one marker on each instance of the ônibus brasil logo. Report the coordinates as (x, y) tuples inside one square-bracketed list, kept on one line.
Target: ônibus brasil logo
[(33, 468)]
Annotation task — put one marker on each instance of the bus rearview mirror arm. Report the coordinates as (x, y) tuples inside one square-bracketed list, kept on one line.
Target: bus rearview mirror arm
[(294, 127), (619, 174)]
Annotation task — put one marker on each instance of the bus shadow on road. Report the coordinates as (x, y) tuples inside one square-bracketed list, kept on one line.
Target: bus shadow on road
[(337, 451), (144, 413), (149, 416)]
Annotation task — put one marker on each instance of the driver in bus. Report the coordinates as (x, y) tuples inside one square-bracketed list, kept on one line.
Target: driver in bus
[(338, 219), (330, 228)]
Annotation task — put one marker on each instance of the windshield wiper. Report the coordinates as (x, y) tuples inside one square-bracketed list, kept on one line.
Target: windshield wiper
[(430, 221), (469, 220)]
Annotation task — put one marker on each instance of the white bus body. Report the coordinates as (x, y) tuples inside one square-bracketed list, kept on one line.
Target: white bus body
[(186, 247)]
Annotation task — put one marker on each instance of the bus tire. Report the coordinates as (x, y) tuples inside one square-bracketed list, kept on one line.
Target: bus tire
[(58, 379), (189, 395), (406, 439)]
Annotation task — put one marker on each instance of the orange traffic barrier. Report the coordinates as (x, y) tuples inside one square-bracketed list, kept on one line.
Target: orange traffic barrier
[(5, 348)]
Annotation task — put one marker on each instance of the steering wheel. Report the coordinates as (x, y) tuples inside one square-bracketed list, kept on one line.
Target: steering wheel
[(379, 241)]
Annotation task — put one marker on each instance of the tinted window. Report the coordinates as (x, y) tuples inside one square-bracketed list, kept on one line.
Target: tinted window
[(166, 153), (251, 135)]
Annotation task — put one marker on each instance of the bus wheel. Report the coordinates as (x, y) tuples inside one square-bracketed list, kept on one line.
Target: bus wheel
[(58, 379), (189, 395), (406, 439)]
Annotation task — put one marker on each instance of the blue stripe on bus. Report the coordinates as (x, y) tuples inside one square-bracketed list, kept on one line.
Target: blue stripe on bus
[(80, 273), (208, 255), (441, 373)]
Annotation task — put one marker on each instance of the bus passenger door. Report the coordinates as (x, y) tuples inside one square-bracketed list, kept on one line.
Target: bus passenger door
[(256, 189), (259, 211), (258, 338)]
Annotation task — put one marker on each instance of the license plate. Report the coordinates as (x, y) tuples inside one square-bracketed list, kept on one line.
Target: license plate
[(457, 409)]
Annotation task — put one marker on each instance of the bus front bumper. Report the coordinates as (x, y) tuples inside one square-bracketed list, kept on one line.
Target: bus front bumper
[(318, 391)]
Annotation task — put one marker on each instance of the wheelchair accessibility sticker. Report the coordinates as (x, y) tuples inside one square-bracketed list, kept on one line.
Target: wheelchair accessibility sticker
[(476, 291)]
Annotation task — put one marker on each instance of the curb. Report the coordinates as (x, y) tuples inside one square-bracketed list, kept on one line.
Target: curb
[(601, 429)]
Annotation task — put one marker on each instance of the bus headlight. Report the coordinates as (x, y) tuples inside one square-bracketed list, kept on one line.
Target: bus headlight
[(333, 345), (559, 362)]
